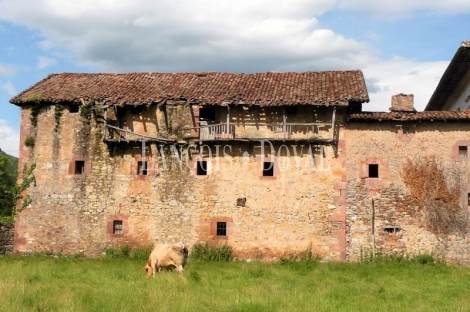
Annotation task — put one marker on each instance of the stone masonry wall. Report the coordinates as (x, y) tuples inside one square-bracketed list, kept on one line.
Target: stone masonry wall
[(74, 213), (7, 232), (382, 209)]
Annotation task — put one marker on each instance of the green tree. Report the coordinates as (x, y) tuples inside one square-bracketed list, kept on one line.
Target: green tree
[(7, 181)]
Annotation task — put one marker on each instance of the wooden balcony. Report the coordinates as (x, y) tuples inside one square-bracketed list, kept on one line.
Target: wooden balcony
[(277, 132)]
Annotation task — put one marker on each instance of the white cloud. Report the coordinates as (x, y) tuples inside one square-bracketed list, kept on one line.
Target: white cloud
[(8, 70), (398, 8), (9, 88), (44, 62), (9, 139), (398, 75), (213, 35), (187, 35)]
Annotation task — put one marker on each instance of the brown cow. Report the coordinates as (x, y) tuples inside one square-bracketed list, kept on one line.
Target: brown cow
[(168, 257)]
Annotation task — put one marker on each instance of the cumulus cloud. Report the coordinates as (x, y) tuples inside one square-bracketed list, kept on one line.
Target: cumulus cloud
[(8, 70), (387, 9), (9, 88), (44, 62), (9, 139), (213, 35), (398, 75), (147, 35)]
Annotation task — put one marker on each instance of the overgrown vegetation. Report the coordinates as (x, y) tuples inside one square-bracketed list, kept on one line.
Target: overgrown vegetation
[(367, 256), (34, 101), (58, 111), (28, 178), (205, 252), (307, 255), (127, 252), (85, 111), (437, 194), (38, 283), (29, 141), (7, 182)]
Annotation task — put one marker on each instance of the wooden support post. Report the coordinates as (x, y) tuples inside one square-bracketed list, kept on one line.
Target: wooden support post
[(333, 123), (283, 122)]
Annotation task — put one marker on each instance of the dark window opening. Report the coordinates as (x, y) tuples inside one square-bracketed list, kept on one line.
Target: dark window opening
[(463, 151), (373, 170), (79, 167), (468, 199), (117, 227), (202, 167), (221, 228), (207, 114), (393, 229), (136, 110), (268, 169), (74, 108), (290, 110), (142, 167)]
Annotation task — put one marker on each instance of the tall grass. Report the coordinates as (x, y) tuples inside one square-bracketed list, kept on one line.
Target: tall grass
[(44, 283)]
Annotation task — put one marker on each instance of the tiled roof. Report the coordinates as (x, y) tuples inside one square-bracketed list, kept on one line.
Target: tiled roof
[(411, 116), (324, 88), (455, 72)]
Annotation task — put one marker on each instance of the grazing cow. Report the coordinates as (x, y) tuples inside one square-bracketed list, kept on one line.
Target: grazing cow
[(168, 257)]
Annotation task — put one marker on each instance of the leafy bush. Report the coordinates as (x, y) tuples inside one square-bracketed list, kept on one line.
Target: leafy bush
[(204, 252), (125, 251), (307, 255), (401, 258), (30, 141)]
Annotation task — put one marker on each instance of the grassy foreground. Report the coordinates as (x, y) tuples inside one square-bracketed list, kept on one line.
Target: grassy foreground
[(40, 283)]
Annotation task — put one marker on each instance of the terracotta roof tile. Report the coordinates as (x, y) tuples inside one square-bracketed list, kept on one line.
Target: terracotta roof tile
[(323, 88), (410, 116)]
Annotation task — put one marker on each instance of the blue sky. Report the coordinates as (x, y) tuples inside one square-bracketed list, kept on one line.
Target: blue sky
[(402, 47)]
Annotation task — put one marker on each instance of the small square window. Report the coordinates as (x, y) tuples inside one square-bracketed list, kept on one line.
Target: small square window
[(79, 167), (117, 227), (373, 170), (268, 169), (142, 168), (463, 151), (74, 108), (202, 167), (221, 228)]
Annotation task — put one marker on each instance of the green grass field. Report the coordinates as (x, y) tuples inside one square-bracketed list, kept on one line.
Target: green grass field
[(41, 283)]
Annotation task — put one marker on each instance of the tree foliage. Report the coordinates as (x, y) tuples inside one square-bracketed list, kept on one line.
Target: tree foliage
[(7, 182)]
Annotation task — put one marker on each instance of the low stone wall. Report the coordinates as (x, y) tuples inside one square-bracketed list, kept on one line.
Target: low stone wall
[(7, 232)]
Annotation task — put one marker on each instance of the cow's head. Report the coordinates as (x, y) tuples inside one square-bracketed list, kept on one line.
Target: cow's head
[(149, 270)]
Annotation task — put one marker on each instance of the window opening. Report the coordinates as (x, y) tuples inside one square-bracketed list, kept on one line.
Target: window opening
[(142, 167), (373, 170), (268, 169), (136, 110), (117, 227), (290, 110), (207, 114), (221, 228), (74, 108), (202, 167), (463, 151), (468, 199), (79, 166), (393, 229)]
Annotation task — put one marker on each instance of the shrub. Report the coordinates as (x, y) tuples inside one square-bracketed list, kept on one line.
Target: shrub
[(126, 251), (29, 141), (204, 252)]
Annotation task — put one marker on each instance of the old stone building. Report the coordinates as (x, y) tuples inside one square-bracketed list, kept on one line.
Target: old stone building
[(270, 163)]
